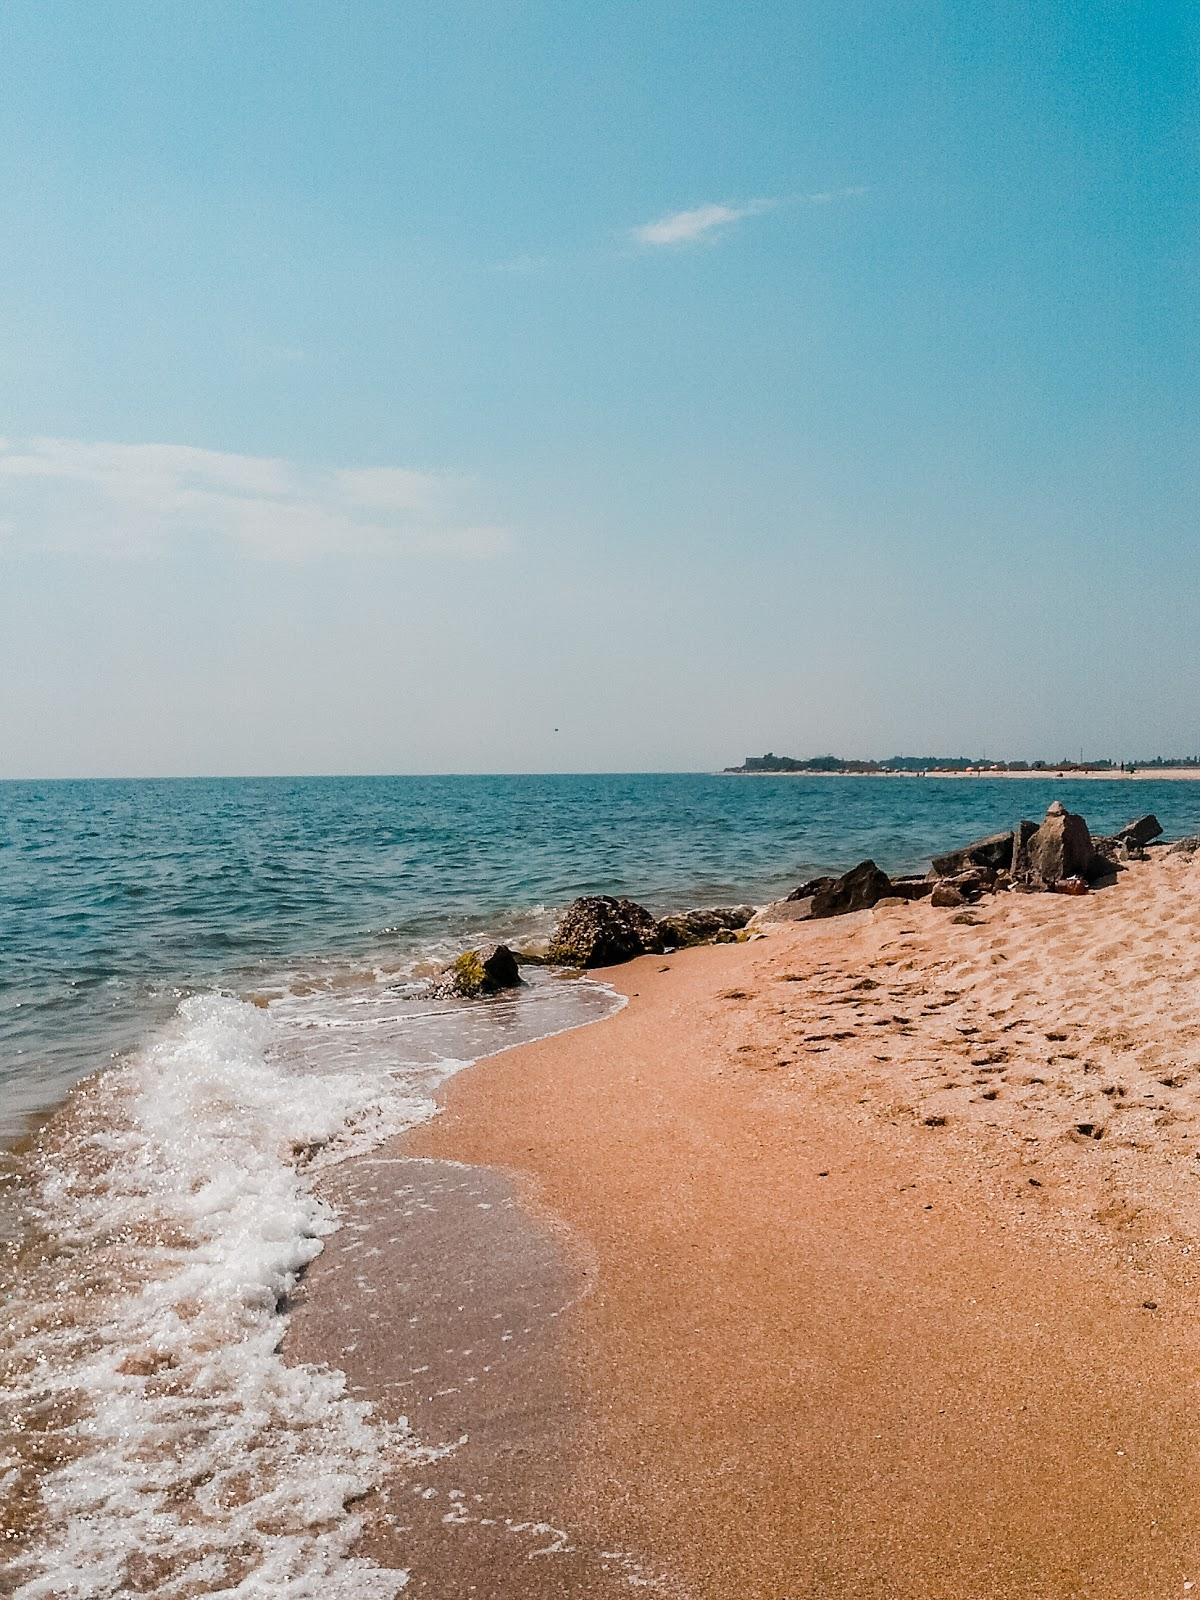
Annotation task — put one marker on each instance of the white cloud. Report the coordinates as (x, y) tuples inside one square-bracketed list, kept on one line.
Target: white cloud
[(684, 227), (135, 499), (706, 222)]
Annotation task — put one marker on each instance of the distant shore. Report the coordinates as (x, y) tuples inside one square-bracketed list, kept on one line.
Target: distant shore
[(1055, 774)]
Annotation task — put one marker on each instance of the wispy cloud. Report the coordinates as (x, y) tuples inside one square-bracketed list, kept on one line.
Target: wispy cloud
[(709, 221), (685, 227), (136, 499)]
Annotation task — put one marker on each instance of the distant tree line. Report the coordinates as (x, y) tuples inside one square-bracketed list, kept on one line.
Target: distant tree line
[(773, 763)]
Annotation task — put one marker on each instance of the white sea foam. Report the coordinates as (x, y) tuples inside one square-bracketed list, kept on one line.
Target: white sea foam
[(161, 1443), (190, 1457)]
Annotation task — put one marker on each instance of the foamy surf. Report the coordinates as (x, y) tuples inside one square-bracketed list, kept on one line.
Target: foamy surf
[(159, 1442)]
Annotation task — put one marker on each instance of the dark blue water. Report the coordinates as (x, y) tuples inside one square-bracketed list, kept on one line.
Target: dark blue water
[(117, 897)]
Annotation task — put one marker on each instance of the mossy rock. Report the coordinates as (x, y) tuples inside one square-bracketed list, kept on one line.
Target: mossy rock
[(480, 972), (465, 975), (719, 925)]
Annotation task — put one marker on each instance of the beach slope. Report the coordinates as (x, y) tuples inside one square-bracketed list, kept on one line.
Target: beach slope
[(882, 1236)]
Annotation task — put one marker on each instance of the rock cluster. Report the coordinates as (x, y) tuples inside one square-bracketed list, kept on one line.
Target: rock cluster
[(1058, 854), (600, 931)]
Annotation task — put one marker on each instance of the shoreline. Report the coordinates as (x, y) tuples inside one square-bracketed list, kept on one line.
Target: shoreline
[(868, 1313)]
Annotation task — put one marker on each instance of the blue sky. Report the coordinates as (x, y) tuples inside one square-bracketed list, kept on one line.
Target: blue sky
[(384, 387)]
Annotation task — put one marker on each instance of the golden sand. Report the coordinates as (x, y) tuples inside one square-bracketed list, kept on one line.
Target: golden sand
[(882, 1238)]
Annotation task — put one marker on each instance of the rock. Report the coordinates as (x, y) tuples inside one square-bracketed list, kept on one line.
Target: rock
[(1061, 847), (1110, 850), (912, 888), (600, 931), (1022, 833), (782, 911), (947, 894), (962, 890), (973, 881), (719, 925), (479, 972), (1128, 843), (1140, 832), (807, 890), (995, 853), (1186, 846), (855, 890)]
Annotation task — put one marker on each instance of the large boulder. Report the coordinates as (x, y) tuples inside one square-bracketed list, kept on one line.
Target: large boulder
[(600, 931), (993, 854), (1060, 847), (687, 928), (479, 972)]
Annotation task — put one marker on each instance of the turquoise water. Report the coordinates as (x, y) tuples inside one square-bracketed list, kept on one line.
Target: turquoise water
[(116, 898)]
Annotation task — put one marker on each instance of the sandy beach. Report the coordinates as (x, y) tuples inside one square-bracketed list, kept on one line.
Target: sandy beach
[(856, 1261)]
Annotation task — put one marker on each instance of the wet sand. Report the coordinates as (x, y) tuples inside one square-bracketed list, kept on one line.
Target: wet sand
[(861, 1261)]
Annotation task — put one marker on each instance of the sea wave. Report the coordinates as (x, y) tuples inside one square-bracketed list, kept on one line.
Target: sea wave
[(161, 1444)]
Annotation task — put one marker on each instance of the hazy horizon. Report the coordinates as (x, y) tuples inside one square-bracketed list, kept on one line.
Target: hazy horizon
[(519, 389), (721, 770)]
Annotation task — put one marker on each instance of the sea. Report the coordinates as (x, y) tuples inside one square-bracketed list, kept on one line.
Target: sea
[(212, 991)]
